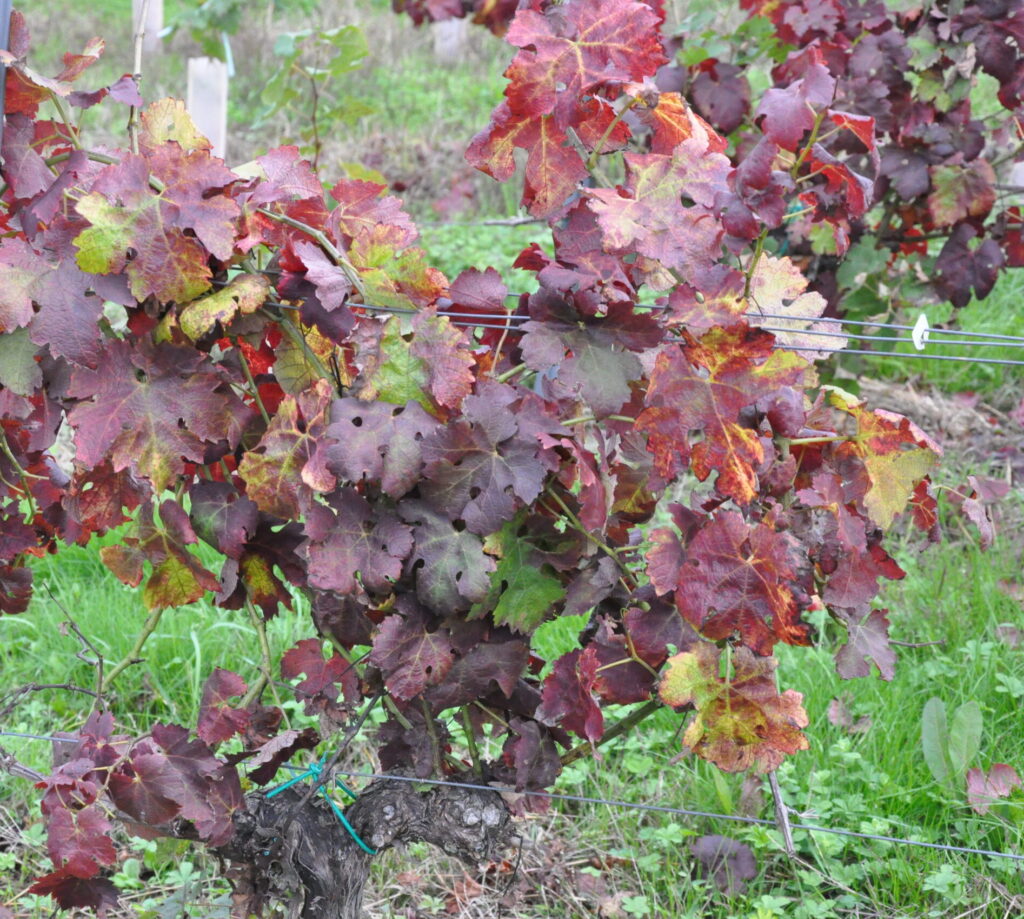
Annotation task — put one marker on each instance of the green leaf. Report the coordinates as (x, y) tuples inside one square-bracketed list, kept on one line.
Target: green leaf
[(350, 48), (19, 371), (398, 375), (935, 739), (164, 262), (964, 737), (862, 261), (522, 592)]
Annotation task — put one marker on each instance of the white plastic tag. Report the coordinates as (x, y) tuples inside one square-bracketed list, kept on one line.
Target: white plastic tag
[(920, 334)]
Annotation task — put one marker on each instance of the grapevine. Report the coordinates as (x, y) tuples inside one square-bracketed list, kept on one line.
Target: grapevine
[(279, 373)]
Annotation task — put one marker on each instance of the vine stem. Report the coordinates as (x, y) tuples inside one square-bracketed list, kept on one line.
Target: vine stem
[(22, 474), (252, 386), (256, 689), (819, 119), (513, 372), (621, 726), (132, 657), (791, 441), (65, 117), (600, 543), (748, 275), (581, 151), (591, 161), (583, 419), (319, 237), (501, 341), (474, 752), (299, 341)]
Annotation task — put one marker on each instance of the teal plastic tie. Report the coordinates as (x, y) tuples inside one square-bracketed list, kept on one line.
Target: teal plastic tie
[(314, 771)]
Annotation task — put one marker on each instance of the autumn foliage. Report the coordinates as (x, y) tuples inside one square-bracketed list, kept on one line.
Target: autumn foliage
[(441, 465)]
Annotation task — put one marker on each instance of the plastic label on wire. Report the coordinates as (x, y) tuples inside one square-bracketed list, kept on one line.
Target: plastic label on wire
[(919, 335)]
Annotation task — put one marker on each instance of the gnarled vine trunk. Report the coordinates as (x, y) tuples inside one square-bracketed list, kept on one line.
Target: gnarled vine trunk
[(300, 855)]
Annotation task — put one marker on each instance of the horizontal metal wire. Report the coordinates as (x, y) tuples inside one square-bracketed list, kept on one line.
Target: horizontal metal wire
[(885, 325), (633, 805), (512, 323), (913, 355), (683, 812), (984, 339)]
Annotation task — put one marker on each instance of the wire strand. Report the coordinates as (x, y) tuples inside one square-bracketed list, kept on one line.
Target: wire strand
[(633, 805), (665, 809), (514, 323), (984, 339)]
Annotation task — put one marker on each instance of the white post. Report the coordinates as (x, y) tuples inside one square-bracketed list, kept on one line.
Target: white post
[(1017, 179), (207, 100), (450, 37), (154, 23)]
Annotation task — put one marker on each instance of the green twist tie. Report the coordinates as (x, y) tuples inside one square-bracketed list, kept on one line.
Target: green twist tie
[(314, 771)]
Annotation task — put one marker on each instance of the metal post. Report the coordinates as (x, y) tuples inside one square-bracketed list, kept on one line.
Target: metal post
[(5, 40)]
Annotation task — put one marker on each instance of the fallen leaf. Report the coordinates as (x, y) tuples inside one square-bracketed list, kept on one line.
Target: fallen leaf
[(1009, 634), (728, 862), (839, 715)]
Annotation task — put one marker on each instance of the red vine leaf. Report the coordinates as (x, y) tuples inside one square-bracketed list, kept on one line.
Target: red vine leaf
[(319, 690), (79, 840), (568, 699), (785, 115), (352, 542), (151, 408), (70, 892), (868, 643), (218, 720), (575, 48), (737, 581), (984, 789), (959, 192), (275, 471), (705, 387), (412, 651)]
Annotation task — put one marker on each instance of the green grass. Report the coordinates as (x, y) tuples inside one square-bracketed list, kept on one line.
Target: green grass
[(873, 782), (999, 314), (187, 644)]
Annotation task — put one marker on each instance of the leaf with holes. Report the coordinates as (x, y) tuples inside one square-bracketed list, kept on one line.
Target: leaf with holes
[(452, 570), (151, 408), (704, 387), (738, 579), (480, 469), (350, 543)]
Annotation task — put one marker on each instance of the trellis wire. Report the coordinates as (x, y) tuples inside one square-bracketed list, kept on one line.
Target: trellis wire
[(665, 809), (751, 314), (513, 323), (633, 805)]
